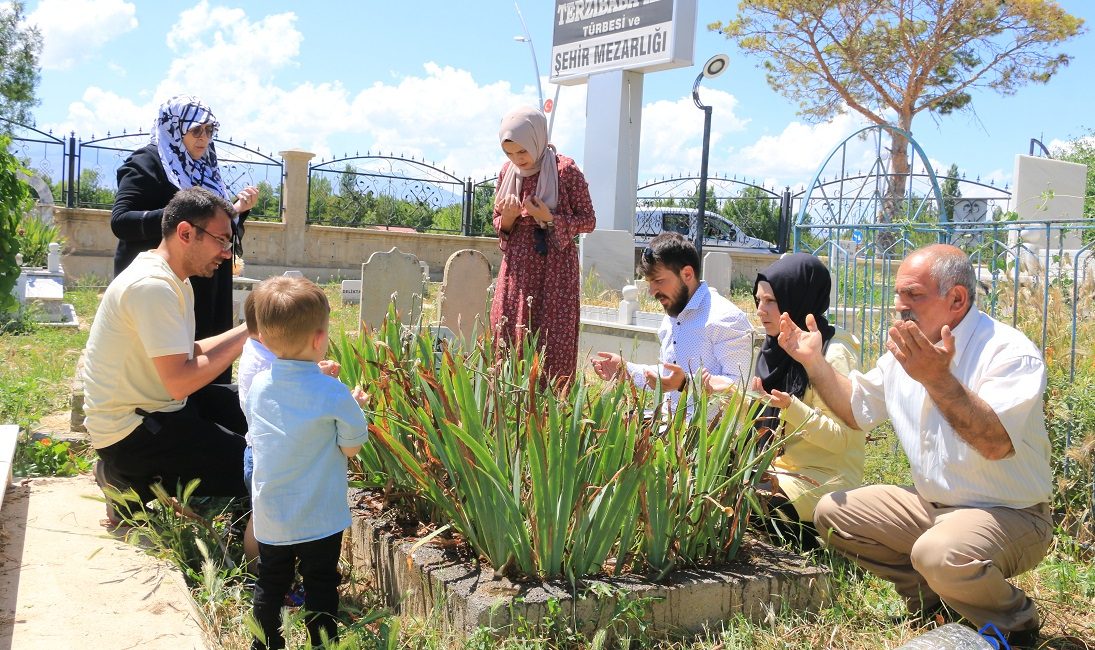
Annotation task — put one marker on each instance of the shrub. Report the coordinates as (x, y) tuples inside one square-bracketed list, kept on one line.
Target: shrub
[(14, 201), (34, 238)]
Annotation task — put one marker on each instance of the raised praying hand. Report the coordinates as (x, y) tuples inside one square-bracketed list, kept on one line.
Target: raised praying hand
[(776, 398), (803, 346), (673, 377)]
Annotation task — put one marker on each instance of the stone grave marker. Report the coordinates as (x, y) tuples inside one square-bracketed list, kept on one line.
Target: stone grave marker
[(351, 292), (393, 275), (463, 302), (718, 271)]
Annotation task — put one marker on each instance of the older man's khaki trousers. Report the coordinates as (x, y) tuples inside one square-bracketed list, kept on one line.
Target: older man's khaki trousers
[(933, 551)]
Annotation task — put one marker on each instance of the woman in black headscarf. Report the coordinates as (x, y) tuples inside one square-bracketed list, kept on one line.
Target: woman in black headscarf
[(823, 454), (180, 154)]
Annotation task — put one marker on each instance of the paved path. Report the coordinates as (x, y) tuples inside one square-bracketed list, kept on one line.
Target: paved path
[(65, 583)]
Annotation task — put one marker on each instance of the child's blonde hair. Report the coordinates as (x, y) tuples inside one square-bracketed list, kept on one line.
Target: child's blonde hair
[(289, 312)]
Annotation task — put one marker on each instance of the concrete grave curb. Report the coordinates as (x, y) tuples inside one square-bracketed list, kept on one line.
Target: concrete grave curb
[(459, 596)]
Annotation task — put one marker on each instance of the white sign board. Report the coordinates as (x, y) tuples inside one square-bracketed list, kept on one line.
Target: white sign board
[(594, 36), (351, 292)]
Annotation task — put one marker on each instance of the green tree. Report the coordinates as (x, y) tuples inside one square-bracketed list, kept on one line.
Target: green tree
[(268, 205), (20, 46), (900, 57), (320, 199), (1082, 150), (950, 191), (482, 214), (756, 212), (710, 203), (92, 192)]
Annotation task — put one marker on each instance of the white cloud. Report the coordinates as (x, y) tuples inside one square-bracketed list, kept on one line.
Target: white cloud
[(672, 134), (795, 154), (74, 30), (237, 64)]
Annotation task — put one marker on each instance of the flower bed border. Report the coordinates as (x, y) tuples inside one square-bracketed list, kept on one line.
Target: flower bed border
[(435, 584)]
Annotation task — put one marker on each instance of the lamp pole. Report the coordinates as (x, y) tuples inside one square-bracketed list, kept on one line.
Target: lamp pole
[(527, 38), (713, 68)]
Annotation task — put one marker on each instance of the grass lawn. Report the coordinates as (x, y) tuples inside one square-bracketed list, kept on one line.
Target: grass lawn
[(35, 377)]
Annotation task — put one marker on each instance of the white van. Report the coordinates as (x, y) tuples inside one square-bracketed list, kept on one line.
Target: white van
[(721, 232)]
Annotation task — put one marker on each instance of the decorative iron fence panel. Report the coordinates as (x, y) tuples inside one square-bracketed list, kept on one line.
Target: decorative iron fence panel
[(390, 192), (481, 208), (98, 160), (41, 152), (758, 212)]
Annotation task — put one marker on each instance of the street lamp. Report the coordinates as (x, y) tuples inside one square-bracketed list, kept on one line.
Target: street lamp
[(713, 68), (527, 38)]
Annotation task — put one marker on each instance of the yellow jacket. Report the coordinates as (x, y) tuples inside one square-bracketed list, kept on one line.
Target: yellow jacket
[(825, 454)]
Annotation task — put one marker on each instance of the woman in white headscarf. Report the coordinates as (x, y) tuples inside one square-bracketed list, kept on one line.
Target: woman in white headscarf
[(180, 155), (541, 204)]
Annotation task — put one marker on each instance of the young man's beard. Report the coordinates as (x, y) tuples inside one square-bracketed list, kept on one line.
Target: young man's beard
[(680, 301)]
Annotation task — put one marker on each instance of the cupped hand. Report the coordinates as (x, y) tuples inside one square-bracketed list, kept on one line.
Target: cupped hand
[(538, 210), (716, 383), (608, 365), (922, 360), (246, 199), (803, 346), (673, 377), (330, 368), (509, 206), (776, 398), (360, 396)]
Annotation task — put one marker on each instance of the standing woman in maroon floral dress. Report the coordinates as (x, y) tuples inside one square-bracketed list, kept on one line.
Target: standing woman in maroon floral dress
[(540, 205)]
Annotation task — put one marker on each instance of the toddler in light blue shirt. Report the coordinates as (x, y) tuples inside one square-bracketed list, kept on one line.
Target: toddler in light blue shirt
[(303, 425)]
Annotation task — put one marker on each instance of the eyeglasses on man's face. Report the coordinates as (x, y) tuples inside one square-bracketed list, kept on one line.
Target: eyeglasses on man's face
[(226, 244), (203, 131)]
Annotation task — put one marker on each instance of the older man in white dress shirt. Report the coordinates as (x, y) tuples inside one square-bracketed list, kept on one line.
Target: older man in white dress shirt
[(701, 329), (964, 394)]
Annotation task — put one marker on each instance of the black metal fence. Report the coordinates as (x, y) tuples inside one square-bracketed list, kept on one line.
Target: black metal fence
[(82, 173), (387, 191)]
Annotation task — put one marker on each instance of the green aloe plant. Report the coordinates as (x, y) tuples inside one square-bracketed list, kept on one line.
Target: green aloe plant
[(549, 481)]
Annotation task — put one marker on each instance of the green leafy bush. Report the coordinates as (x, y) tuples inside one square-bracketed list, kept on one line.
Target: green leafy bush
[(551, 482), (14, 202), (47, 457), (34, 238), (1070, 419)]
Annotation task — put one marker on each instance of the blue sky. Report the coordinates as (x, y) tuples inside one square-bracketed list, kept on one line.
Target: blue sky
[(433, 77)]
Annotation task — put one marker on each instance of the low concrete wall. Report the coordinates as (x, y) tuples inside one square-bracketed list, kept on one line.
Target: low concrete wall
[(328, 252), (325, 253)]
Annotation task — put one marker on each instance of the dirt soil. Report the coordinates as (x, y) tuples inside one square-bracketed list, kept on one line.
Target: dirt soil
[(65, 582)]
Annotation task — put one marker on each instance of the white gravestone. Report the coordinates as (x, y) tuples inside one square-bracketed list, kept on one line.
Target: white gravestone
[(351, 292), (718, 271), (463, 302), (389, 276)]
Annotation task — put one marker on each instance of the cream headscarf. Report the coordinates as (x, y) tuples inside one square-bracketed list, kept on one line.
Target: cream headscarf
[(528, 127)]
